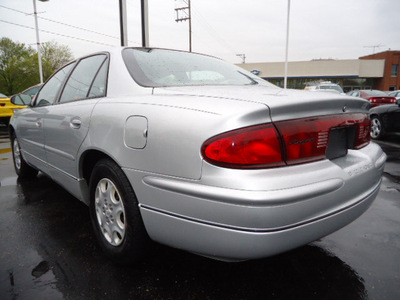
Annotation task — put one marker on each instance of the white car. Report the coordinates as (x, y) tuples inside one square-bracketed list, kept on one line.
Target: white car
[(192, 152), (325, 86)]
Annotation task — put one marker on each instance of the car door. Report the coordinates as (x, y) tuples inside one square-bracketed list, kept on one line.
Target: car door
[(30, 120), (67, 122), (393, 118)]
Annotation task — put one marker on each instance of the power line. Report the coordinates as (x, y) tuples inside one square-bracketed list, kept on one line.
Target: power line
[(65, 24), (57, 22), (59, 34), (213, 32)]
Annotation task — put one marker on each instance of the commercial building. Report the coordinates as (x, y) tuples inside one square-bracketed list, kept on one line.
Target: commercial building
[(377, 71)]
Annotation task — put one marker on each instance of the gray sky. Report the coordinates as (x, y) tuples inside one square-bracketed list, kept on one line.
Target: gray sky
[(338, 29)]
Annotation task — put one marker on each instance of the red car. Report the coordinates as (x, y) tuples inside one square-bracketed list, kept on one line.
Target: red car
[(375, 97)]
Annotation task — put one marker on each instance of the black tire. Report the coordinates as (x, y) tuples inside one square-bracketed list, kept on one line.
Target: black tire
[(21, 167), (377, 129), (115, 214)]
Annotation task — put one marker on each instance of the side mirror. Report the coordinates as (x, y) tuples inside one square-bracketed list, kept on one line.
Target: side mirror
[(21, 99)]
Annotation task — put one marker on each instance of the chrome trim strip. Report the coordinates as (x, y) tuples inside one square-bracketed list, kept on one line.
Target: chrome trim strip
[(374, 191), (245, 197)]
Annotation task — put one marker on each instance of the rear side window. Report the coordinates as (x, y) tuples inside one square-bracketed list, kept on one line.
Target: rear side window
[(88, 79)]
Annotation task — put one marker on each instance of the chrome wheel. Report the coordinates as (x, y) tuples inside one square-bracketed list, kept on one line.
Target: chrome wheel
[(110, 212), (17, 154), (376, 128)]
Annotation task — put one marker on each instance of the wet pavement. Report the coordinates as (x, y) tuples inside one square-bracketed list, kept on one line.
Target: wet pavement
[(48, 251)]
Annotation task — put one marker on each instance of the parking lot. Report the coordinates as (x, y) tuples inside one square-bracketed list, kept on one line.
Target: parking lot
[(48, 251)]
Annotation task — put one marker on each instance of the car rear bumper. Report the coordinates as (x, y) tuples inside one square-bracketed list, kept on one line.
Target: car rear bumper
[(231, 244), (244, 214)]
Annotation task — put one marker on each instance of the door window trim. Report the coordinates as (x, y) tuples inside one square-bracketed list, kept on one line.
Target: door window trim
[(61, 91)]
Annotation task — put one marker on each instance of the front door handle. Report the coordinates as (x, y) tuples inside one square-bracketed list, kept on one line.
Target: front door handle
[(75, 123), (38, 123)]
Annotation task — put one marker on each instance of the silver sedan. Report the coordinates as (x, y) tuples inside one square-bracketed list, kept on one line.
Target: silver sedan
[(198, 154)]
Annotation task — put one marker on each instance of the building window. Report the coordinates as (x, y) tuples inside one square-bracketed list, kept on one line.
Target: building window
[(395, 70)]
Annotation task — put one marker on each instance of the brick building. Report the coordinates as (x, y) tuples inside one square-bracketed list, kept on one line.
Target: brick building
[(391, 79)]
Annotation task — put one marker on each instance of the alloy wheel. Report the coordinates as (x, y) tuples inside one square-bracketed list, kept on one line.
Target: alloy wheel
[(376, 128), (110, 212), (17, 154)]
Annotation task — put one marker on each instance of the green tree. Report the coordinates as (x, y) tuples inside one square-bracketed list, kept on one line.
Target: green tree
[(54, 56), (19, 64), (15, 63)]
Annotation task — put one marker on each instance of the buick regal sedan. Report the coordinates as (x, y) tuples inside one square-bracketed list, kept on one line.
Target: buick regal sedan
[(192, 152)]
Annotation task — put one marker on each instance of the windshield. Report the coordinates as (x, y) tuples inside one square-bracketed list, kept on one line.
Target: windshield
[(160, 68)]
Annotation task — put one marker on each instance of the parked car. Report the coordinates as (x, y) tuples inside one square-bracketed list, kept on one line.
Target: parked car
[(6, 109), (324, 86), (374, 96), (385, 119), (198, 154), (395, 94)]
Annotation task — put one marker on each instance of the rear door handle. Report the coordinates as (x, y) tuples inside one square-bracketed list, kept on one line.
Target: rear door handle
[(38, 123), (75, 123)]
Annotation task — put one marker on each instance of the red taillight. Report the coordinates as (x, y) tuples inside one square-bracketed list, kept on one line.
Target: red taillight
[(372, 100), (2, 104), (290, 142), (393, 100), (256, 146), (307, 139)]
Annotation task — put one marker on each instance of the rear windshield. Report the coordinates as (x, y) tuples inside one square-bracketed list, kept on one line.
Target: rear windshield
[(331, 87), (375, 93), (160, 68)]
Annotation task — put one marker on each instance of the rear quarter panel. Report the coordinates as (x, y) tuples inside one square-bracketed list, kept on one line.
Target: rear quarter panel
[(177, 128)]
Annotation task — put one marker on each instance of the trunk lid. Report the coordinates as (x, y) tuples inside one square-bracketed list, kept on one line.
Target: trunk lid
[(283, 104)]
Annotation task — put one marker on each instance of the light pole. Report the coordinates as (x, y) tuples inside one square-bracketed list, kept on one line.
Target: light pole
[(37, 39), (287, 47)]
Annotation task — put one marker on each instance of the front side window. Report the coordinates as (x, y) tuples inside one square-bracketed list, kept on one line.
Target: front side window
[(83, 77), (32, 91), (160, 67), (50, 90)]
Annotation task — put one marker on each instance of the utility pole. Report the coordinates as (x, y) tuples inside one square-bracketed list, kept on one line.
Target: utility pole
[(145, 23), (243, 56), (123, 23), (185, 14)]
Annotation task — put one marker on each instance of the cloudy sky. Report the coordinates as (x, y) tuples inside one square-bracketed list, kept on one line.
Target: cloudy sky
[(338, 29)]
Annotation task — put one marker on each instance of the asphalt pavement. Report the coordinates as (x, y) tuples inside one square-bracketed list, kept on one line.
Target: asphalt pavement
[(48, 251)]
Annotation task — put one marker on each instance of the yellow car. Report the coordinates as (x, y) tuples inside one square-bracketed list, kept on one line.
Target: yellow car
[(7, 109)]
